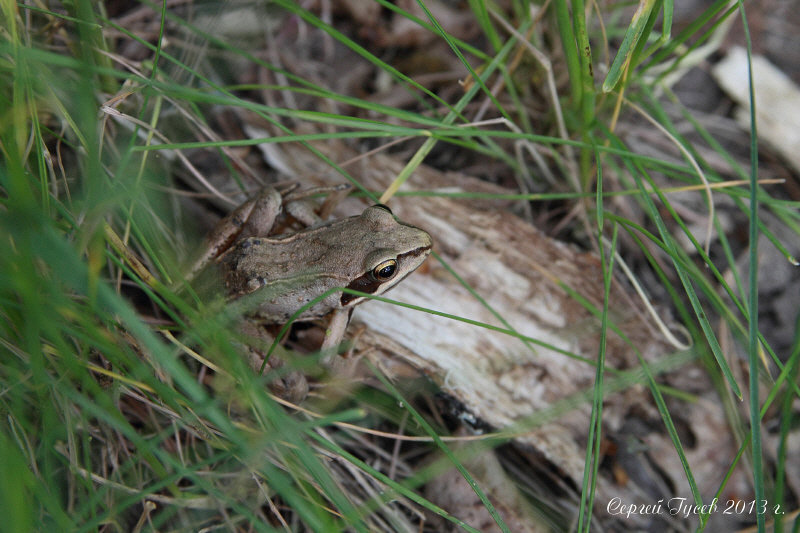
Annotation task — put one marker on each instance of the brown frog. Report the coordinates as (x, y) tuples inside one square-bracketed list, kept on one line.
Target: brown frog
[(275, 276)]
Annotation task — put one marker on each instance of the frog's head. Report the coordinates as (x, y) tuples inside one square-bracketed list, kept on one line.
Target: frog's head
[(392, 251)]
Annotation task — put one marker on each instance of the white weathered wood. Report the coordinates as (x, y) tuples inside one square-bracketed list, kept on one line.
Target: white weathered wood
[(777, 101)]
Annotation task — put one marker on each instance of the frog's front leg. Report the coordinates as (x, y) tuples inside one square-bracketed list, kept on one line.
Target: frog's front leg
[(254, 217), (334, 334)]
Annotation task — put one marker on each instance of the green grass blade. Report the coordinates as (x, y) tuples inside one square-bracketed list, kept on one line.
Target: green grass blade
[(752, 302)]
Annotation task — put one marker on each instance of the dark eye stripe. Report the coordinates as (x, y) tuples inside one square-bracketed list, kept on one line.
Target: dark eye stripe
[(369, 282), (413, 253), (365, 283)]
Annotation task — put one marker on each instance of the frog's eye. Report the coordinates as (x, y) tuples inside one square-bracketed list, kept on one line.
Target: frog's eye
[(385, 270), (384, 207)]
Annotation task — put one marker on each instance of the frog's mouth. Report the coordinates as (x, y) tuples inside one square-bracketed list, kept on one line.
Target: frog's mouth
[(369, 284)]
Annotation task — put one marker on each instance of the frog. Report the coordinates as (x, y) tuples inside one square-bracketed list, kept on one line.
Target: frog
[(276, 278)]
